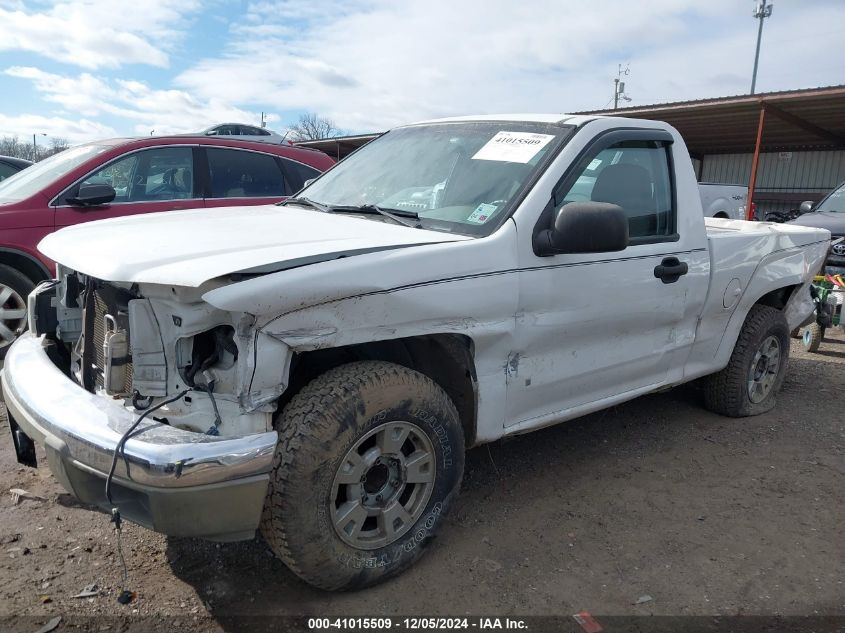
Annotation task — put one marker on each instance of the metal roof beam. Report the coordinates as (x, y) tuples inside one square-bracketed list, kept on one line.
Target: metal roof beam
[(803, 124)]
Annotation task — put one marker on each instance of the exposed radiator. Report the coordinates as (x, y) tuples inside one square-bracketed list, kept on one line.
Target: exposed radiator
[(111, 301)]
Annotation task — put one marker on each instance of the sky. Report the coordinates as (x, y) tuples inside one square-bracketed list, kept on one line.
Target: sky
[(87, 69)]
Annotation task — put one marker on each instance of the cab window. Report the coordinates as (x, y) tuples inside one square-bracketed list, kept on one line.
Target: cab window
[(636, 176)]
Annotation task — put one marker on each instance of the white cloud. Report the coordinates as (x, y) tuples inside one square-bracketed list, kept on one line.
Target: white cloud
[(144, 108), (370, 64), (97, 33), (72, 130)]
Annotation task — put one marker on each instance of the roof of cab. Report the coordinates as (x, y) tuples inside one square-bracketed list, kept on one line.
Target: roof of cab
[(567, 119)]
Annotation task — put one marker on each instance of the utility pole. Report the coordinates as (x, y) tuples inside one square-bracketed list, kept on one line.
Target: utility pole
[(619, 86), (761, 12), (263, 120), (35, 147)]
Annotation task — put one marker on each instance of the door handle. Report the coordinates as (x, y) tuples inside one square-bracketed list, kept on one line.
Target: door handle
[(670, 270)]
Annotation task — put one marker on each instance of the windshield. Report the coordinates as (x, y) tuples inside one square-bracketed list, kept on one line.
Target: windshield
[(834, 203), (33, 179), (457, 177)]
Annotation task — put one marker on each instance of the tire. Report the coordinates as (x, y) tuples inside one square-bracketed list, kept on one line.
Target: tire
[(14, 289), (730, 392), (812, 337), (796, 333), (340, 420)]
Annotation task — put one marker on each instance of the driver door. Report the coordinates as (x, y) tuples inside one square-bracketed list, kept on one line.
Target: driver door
[(600, 327), (146, 181)]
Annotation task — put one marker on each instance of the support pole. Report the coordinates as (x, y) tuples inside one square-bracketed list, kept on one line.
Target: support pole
[(752, 183)]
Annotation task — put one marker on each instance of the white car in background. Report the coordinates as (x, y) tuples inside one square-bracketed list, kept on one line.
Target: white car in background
[(244, 132)]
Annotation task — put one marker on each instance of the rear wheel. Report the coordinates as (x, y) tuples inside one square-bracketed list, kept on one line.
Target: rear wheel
[(370, 457), (14, 289), (812, 337), (755, 372)]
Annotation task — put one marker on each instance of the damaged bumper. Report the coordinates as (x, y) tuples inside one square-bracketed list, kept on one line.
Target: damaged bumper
[(172, 481)]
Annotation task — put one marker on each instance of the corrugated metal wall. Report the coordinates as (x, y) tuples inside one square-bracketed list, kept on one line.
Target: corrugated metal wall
[(789, 172)]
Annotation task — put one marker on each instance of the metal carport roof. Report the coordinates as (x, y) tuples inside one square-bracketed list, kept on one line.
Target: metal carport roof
[(794, 120)]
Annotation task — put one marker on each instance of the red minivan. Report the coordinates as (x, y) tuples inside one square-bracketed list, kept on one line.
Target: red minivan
[(116, 177)]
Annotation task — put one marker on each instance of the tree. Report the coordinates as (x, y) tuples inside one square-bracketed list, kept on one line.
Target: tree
[(312, 127), (13, 146), (57, 144)]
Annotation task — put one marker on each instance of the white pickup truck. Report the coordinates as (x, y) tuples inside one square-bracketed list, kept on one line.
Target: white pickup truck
[(317, 369), (723, 201)]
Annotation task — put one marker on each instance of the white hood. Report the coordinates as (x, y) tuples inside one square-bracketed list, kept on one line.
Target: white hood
[(187, 248)]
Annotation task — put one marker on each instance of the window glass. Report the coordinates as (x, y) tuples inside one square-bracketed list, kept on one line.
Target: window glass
[(6, 171), (162, 174), (298, 173), (463, 176), (834, 203), (240, 174), (117, 174), (635, 176), (45, 172)]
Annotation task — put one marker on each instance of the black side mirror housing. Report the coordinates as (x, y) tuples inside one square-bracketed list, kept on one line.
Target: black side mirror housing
[(585, 227), (806, 206), (93, 194)]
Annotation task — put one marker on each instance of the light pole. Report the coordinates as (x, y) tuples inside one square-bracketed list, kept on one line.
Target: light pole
[(761, 12), (35, 147)]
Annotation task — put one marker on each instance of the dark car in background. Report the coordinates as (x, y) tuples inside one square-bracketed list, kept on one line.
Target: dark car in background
[(119, 177), (9, 166), (828, 214)]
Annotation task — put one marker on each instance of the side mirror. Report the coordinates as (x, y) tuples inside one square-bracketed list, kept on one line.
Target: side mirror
[(308, 182), (585, 227), (211, 133), (93, 194), (806, 206)]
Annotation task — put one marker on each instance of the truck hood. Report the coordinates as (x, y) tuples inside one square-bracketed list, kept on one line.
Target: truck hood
[(187, 248), (832, 221)]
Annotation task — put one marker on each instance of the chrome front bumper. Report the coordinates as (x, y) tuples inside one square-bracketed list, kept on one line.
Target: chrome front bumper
[(172, 481)]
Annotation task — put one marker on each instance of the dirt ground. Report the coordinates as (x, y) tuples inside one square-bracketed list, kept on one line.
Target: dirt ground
[(657, 497)]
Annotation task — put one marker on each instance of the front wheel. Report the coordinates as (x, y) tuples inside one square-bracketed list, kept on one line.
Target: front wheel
[(755, 372), (370, 457)]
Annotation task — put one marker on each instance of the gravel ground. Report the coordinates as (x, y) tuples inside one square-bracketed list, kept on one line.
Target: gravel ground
[(657, 497)]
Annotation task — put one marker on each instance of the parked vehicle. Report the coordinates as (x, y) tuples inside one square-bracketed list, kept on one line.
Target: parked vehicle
[(723, 201), (121, 177), (829, 295), (9, 166), (319, 372), (828, 214), (244, 132), (782, 216)]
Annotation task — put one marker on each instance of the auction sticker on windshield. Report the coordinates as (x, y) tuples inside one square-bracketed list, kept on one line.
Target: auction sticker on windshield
[(513, 147)]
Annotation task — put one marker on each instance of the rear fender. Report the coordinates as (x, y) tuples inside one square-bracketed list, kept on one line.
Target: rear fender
[(793, 267)]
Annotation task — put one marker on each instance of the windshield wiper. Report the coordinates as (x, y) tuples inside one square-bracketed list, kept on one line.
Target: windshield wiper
[(396, 215), (306, 202)]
